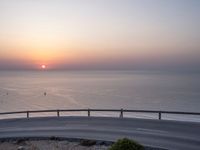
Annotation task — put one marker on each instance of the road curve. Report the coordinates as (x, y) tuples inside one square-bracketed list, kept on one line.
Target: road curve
[(171, 135)]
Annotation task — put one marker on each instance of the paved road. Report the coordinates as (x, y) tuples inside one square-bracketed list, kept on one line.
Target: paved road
[(164, 134)]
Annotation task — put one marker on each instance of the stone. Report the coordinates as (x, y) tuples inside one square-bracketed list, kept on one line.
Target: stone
[(21, 148)]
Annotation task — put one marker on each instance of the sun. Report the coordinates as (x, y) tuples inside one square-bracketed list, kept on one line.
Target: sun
[(43, 66)]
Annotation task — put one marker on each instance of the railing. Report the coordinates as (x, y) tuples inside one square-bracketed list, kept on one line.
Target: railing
[(120, 111)]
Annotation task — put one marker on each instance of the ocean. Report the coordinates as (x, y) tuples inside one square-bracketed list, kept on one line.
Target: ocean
[(148, 90)]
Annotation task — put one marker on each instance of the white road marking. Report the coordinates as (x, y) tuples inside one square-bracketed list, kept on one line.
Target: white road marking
[(151, 130)]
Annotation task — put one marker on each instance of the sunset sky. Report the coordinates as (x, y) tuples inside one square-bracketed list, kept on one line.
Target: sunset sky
[(99, 34)]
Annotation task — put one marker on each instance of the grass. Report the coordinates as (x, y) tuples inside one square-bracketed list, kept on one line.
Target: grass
[(126, 144)]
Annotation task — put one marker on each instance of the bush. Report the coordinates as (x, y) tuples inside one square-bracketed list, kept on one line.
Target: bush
[(126, 144)]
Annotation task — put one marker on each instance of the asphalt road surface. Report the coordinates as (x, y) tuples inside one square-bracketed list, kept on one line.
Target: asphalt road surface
[(156, 133)]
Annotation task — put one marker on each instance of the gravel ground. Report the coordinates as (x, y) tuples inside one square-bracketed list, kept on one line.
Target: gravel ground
[(56, 143), (48, 145)]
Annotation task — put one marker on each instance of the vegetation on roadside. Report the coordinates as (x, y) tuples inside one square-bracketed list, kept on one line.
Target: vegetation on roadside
[(126, 144)]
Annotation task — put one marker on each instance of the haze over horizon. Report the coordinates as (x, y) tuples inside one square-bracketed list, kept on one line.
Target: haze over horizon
[(100, 34)]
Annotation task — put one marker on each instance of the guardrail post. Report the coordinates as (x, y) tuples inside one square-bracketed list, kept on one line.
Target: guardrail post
[(88, 112), (27, 114), (121, 113), (159, 115), (58, 113)]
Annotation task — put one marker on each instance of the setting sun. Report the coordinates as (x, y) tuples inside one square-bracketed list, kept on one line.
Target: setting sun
[(43, 67)]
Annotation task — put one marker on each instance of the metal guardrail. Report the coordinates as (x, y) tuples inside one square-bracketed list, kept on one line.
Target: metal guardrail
[(121, 112)]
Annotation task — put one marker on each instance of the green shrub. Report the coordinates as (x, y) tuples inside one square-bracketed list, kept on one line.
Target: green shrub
[(126, 144)]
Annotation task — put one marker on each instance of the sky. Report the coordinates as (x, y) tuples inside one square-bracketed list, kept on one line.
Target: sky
[(100, 34)]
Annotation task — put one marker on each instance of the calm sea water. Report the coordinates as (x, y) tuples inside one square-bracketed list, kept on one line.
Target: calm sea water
[(24, 90)]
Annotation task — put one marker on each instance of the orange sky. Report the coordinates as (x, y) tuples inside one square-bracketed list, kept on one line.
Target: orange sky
[(114, 33)]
